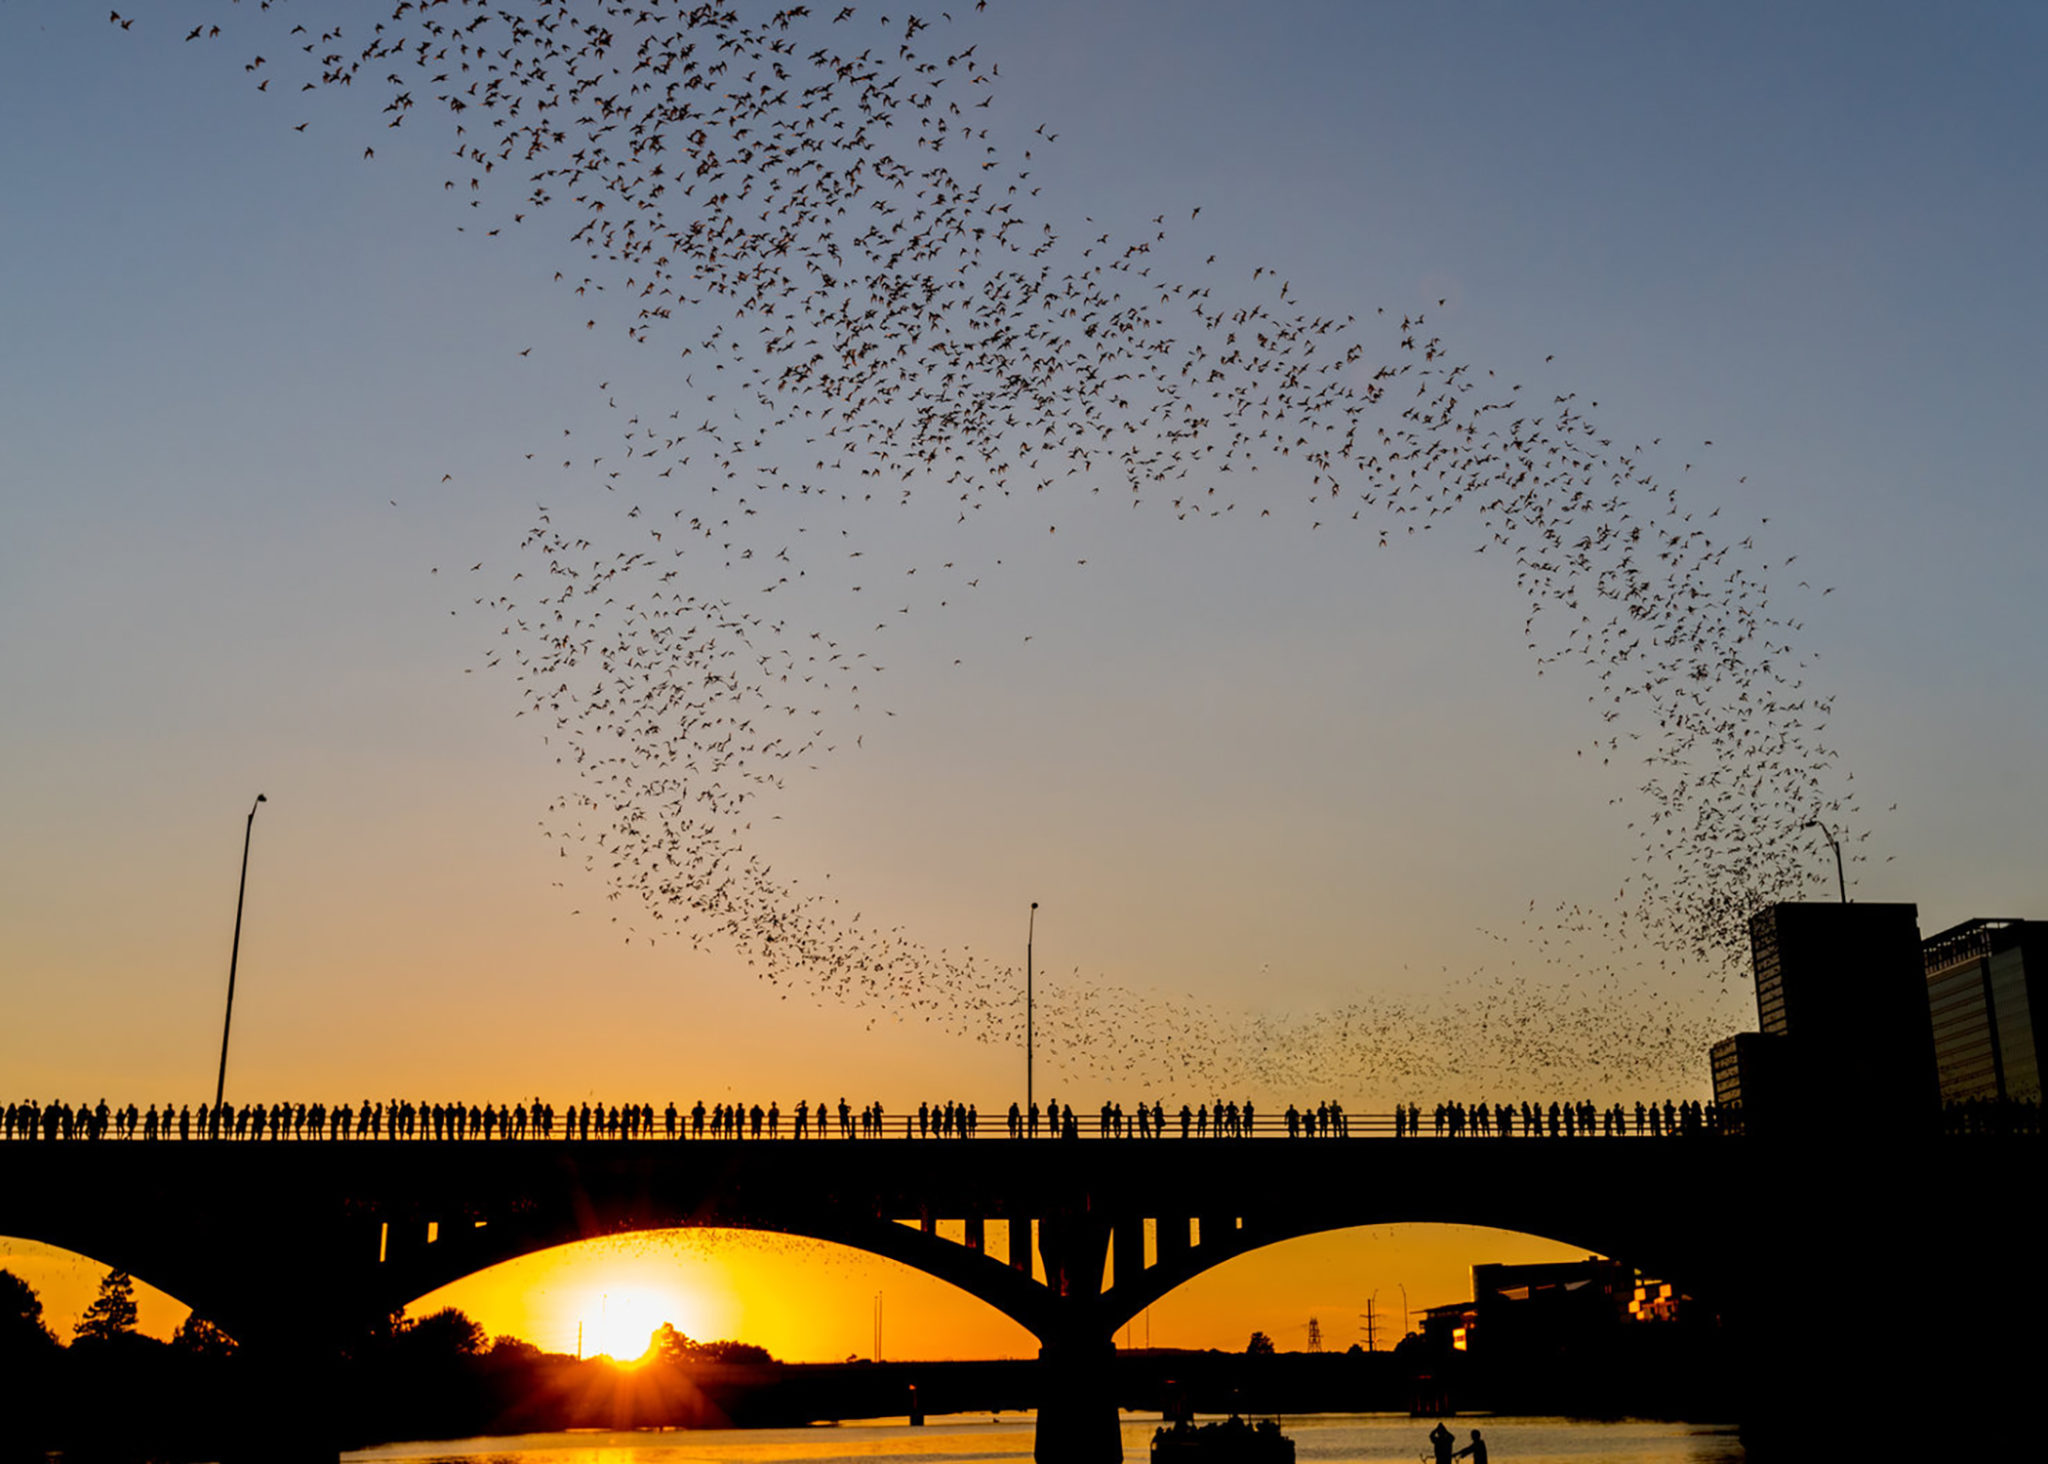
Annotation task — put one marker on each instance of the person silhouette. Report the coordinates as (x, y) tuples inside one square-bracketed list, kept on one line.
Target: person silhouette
[(1475, 1451), (1442, 1441)]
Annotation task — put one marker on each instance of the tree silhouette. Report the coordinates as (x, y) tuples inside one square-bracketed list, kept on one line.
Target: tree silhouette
[(447, 1333), (510, 1350), (1260, 1346), (676, 1349), (671, 1346), (197, 1337), (22, 1330), (112, 1313)]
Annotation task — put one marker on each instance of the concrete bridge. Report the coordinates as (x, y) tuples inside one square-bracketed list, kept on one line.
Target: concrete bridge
[(291, 1246)]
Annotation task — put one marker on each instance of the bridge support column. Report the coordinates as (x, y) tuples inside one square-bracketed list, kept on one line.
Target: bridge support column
[(1073, 1247), (286, 1409), (1077, 1415), (1172, 1231), (299, 1296), (1219, 1234), (1128, 1249), (1020, 1243)]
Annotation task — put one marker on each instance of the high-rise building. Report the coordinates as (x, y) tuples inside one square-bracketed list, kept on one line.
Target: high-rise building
[(1845, 987), (1983, 980), (1749, 1080)]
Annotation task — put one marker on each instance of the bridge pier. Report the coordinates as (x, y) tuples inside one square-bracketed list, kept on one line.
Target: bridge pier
[(284, 1404), (286, 1410), (1078, 1422), (1020, 1244), (1077, 1414)]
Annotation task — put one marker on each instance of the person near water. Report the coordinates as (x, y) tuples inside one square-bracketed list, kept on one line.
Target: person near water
[(1475, 1451), (1442, 1441)]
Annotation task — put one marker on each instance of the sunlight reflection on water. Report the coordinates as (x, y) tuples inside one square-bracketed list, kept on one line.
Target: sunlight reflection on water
[(1331, 1439)]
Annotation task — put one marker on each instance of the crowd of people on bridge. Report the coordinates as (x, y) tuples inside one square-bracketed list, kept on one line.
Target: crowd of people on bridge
[(1563, 1120), (403, 1119)]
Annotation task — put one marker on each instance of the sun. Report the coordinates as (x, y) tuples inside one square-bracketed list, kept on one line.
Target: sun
[(620, 1323)]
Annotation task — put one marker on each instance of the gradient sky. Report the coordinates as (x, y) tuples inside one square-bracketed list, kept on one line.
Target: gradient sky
[(1273, 772)]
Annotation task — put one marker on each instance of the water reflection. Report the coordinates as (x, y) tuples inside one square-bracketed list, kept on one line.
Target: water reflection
[(1329, 1439)]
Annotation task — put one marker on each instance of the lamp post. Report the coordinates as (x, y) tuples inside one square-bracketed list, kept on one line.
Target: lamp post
[(1030, 930), (234, 954), (1841, 881)]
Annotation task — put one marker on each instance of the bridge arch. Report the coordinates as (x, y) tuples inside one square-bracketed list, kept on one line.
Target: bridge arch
[(798, 1296), (1282, 1281), (1126, 1297), (420, 1266), (1005, 1289), (1059, 1244)]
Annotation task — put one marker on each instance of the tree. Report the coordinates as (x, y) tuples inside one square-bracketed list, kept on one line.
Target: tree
[(446, 1333), (197, 1337), (1260, 1346), (31, 1370), (22, 1329), (514, 1349), (671, 1346), (733, 1352), (676, 1349), (112, 1313)]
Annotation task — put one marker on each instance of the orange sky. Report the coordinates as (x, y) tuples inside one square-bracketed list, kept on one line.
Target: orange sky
[(810, 1301)]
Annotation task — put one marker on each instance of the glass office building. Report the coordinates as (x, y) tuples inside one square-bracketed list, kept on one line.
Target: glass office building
[(1981, 978)]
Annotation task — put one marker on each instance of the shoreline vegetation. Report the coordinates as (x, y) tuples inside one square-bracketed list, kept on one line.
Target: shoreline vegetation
[(440, 1377)]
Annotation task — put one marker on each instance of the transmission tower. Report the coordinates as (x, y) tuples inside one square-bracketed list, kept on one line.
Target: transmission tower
[(1315, 1335)]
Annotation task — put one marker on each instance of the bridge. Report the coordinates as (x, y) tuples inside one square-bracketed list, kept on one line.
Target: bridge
[(290, 1246)]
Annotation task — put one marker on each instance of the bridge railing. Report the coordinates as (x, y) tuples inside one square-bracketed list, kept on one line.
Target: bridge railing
[(413, 1123)]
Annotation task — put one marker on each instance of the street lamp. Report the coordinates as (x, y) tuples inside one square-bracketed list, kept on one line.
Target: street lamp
[(1030, 930), (234, 954), (1841, 881)]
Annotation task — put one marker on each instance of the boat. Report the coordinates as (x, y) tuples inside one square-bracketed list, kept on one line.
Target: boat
[(1233, 1441)]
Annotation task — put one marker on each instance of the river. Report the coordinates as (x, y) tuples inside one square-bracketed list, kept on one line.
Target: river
[(1327, 1439)]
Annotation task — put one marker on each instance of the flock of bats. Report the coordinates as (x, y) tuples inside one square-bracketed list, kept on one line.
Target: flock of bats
[(867, 306)]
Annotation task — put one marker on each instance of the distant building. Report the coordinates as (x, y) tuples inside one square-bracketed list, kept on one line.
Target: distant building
[(1986, 1007), (1658, 1301), (1845, 986), (1514, 1308), (1597, 1290), (1452, 1327), (1750, 1080)]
